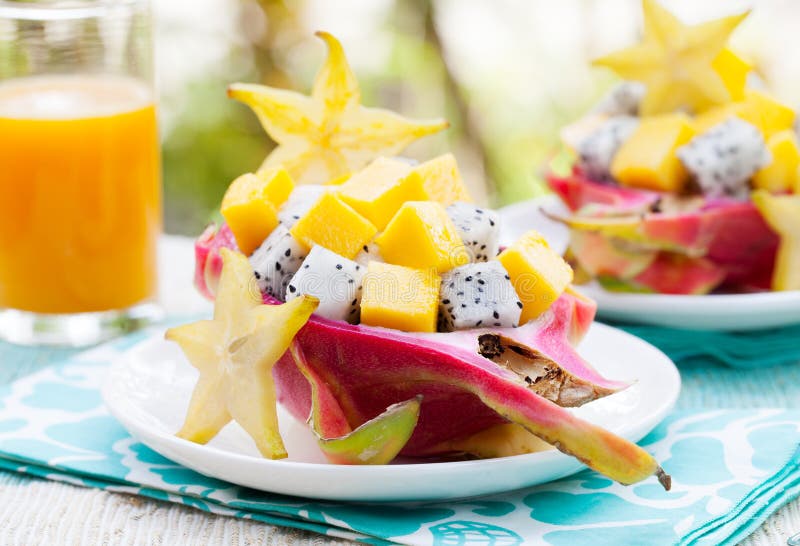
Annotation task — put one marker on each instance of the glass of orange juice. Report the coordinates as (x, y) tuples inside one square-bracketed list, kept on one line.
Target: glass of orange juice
[(80, 188)]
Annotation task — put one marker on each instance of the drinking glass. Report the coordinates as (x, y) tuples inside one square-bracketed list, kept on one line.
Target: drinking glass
[(80, 187)]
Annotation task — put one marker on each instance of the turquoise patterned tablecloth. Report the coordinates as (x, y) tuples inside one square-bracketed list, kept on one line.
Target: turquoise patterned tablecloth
[(758, 349), (707, 385)]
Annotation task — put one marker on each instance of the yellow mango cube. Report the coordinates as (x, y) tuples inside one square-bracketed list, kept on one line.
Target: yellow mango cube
[(538, 273), (378, 191), (757, 108), (333, 224), (733, 71), (278, 185), (250, 206), (422, 236), (780, 176), (715, 116), (339, 180), (442, 180), (647, 159), (400, 297), (766, 113)]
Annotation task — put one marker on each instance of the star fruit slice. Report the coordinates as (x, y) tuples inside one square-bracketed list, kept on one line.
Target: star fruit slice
[(676, 62), (328, 134), (235, 352)]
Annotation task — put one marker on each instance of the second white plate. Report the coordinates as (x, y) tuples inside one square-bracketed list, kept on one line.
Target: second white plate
[(735, 312), (149, 388), (713, 312)]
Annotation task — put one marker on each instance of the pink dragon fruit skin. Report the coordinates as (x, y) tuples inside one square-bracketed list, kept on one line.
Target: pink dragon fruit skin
[(576, 191), (207, 259), (744, 246), (377, 362), (731, 234), (460, 392), (674, 274), (367, 369)]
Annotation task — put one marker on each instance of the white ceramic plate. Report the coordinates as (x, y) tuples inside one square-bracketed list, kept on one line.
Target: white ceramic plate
[(740, 312), (713, 312), (148, 391)]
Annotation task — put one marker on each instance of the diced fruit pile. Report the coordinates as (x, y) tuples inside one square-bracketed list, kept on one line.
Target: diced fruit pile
[(668, 163), (394, 245), (371, 255), (722, 152)]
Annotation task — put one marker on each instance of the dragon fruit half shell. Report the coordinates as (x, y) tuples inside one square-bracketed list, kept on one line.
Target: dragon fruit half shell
[(736, 245), (468, 381)]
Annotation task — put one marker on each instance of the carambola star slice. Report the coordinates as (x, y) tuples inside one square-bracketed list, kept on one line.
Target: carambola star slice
[(234, 353), (330, 133)]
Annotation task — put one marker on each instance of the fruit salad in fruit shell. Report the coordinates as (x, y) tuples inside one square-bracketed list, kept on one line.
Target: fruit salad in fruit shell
[(377, 305), (685, 178)]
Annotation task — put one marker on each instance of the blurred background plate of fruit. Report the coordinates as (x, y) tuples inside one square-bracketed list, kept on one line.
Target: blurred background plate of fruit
[(686, 174), (507, 75), (80, 185)]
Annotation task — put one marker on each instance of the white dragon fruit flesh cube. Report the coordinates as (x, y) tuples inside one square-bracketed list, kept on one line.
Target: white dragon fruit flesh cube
[(276, 261), (479, 229), (336, 281), (597, 150), (478, 295), (369, 253), (299, 203), (723, 159)]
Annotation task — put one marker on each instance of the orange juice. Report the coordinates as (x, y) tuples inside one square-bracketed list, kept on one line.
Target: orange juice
[(80, 197)]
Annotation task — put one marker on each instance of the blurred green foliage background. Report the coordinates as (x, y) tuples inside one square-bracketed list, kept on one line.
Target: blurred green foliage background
[(506, 73)]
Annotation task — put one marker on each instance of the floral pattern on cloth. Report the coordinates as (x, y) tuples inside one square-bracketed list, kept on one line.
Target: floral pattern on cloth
[(731, 469)]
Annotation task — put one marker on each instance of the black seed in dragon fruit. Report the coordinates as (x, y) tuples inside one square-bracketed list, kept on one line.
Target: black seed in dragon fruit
[(723, 159), (299, 203), (478, 296), (276, 261), (333, 279), (479, 229), (597, 151), (623, 100), (368, 253)]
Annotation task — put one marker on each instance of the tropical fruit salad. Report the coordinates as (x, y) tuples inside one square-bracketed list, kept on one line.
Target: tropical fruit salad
[(685, 179), (369, 295)]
